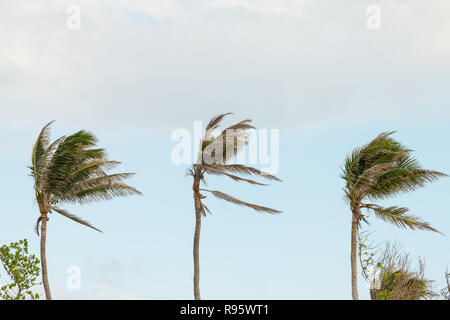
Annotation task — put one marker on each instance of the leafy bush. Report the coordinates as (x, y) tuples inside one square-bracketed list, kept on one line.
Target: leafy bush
[(22, 269)]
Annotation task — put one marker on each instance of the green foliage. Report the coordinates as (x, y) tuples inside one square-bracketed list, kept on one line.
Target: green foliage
[(73, 170), (22, 269), (391, 277), (402, 285), (366, 253)]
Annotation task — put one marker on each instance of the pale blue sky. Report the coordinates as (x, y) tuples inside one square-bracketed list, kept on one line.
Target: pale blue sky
[(137, 70)]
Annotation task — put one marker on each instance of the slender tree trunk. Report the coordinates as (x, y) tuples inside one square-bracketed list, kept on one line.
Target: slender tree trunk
[(198, 224), (354, 245), (48, 294)]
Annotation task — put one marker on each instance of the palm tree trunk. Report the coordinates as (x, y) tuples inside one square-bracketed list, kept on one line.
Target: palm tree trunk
[(48, 294), (198, 224), (353, 256)]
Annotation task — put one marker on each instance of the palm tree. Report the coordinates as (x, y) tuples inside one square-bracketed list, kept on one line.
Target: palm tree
[(376, 171), (215, 153), (71, 170)]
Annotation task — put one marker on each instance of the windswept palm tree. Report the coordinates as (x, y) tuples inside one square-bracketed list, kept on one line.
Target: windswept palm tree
[(215, 153), (376, 171), (71, 170)]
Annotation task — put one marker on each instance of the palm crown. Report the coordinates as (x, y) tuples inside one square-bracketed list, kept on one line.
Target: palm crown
[(217, 151), (379, 170), (72, 170)]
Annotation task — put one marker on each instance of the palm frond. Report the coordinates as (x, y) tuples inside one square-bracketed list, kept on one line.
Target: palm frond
[(39, 148), (383, 168), (102, 192), (211, 169), (42, 178), (227, 144), (214, 124), (69, 153), (204, 209), (396, 216), (399, 179), (101, 180), (242, 170), (226, 197), (92, 168), (370, 176), (74, 218)]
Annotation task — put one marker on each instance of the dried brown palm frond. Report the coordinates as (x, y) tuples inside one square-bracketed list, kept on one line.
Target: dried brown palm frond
[(214, 124), (229, 198), (241, 169), (393, 279), (212, 169), (216, 151), (67, 214)]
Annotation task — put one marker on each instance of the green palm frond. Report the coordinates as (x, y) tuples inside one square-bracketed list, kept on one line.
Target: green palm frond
[(39, 148), (398, 180), (396, 216), (384, 168), (103, 192), (73, 169), (381, 169), (104, 180), (92, 168)]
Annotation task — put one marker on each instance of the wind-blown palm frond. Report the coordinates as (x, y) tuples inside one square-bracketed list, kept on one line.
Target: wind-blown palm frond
[(398, 179), (242, 170), (204, 209), (72, 169), (74, 218), (229, 198), (370, 176), (104, 192), (382, 169), (39, 148), (221, 148), (217, 171), (396, 216), (214, 124), (217, 150)]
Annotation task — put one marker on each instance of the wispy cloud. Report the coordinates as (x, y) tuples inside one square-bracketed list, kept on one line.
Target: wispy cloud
[(293, 63)]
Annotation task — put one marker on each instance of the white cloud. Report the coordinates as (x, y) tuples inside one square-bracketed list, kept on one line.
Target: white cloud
[(165, 63)]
